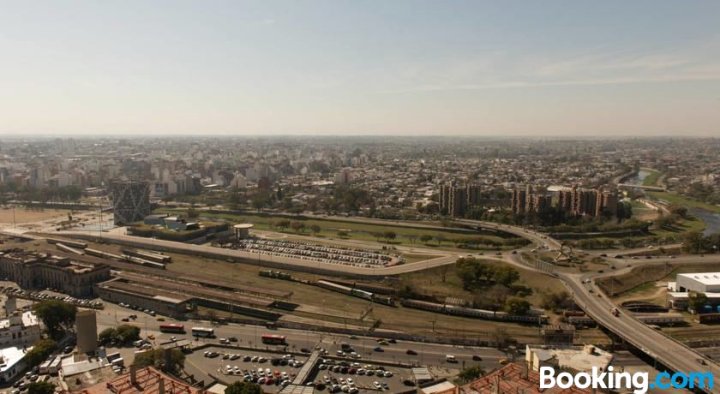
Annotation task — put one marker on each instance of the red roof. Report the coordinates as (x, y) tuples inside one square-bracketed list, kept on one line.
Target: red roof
[(512, 379), (147, 382)]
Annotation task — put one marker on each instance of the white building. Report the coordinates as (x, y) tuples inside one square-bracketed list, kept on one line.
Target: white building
[(703, 282), (19, 330), (12, 362)]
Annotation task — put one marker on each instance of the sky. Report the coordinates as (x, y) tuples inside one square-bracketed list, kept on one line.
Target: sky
[(334, 67)]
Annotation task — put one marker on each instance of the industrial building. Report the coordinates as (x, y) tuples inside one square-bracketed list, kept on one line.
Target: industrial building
[(31, 270), (704, 282), (163, 302), (707, 283), (131, 201)]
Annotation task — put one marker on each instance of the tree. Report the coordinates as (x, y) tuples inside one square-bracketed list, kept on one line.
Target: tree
[(517, 306), (243, 388), (697, 301), (693, 242), (156, 358), (260, 200), (377, 235), (678, 210), (389, 235), (342, 233), (192, 213), (425, 238), (440, 238), (297, 226), (41, 388), (58, 316), (412, 238), (123, 334), (40, 351), (505, 276), (469, 374), (107, 335), (315, 229), (283, 224)]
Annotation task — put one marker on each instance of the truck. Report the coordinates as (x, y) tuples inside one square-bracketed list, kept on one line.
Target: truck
[(615, 312)]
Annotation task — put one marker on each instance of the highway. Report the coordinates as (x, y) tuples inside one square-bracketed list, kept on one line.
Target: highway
[(666, 350)]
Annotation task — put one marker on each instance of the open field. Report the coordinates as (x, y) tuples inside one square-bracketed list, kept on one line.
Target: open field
[(406, 236), (23, 215), (652, 178), (674, 198), (430, 282)]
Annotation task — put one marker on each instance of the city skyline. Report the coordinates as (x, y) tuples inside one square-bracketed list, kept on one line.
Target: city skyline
[(326, 68)]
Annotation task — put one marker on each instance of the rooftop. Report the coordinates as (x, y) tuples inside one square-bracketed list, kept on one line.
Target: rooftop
[(512, 379), (147, 381), (707, 278), (10, 356), (28, 319), (578, 359)]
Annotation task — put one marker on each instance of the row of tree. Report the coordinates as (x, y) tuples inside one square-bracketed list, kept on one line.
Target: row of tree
[(695, 242)]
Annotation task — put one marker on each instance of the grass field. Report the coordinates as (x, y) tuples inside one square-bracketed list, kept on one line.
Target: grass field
[(329, 229), (430, 282), (674, 198), (652, 178)]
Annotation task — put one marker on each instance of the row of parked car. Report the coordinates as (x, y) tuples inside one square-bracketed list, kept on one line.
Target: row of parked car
[(353, 368), (261, 376), (39, 296)]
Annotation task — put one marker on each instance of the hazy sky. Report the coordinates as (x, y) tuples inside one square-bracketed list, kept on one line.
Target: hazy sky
[(586, 68)]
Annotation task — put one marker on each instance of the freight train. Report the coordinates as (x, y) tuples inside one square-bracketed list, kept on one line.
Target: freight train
[(355, 292), (472, 312)]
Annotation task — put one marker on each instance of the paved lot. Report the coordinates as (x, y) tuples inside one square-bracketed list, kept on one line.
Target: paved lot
[(245, 362), (365, 383)]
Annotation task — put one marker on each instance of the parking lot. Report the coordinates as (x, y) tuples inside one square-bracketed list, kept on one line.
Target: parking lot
[(335, 375), (366, 258), (270, 370)]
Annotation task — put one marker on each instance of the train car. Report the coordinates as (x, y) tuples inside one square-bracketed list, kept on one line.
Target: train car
[(143, 262), (68, 249), (361, 293), (67, 242), (100, 253), (334, 287), (154, 257), (385, 300), (472, 312)]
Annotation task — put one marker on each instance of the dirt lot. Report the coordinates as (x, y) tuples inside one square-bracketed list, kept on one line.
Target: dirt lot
[(23, 215)]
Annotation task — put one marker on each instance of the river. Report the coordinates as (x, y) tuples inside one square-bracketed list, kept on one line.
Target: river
[(711, 219)]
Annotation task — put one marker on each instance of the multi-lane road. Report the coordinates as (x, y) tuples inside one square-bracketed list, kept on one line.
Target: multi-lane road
[(249, 336)]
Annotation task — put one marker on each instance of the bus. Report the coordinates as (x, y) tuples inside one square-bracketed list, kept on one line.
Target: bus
[(172, 327), (203, 332), (272, 339)]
